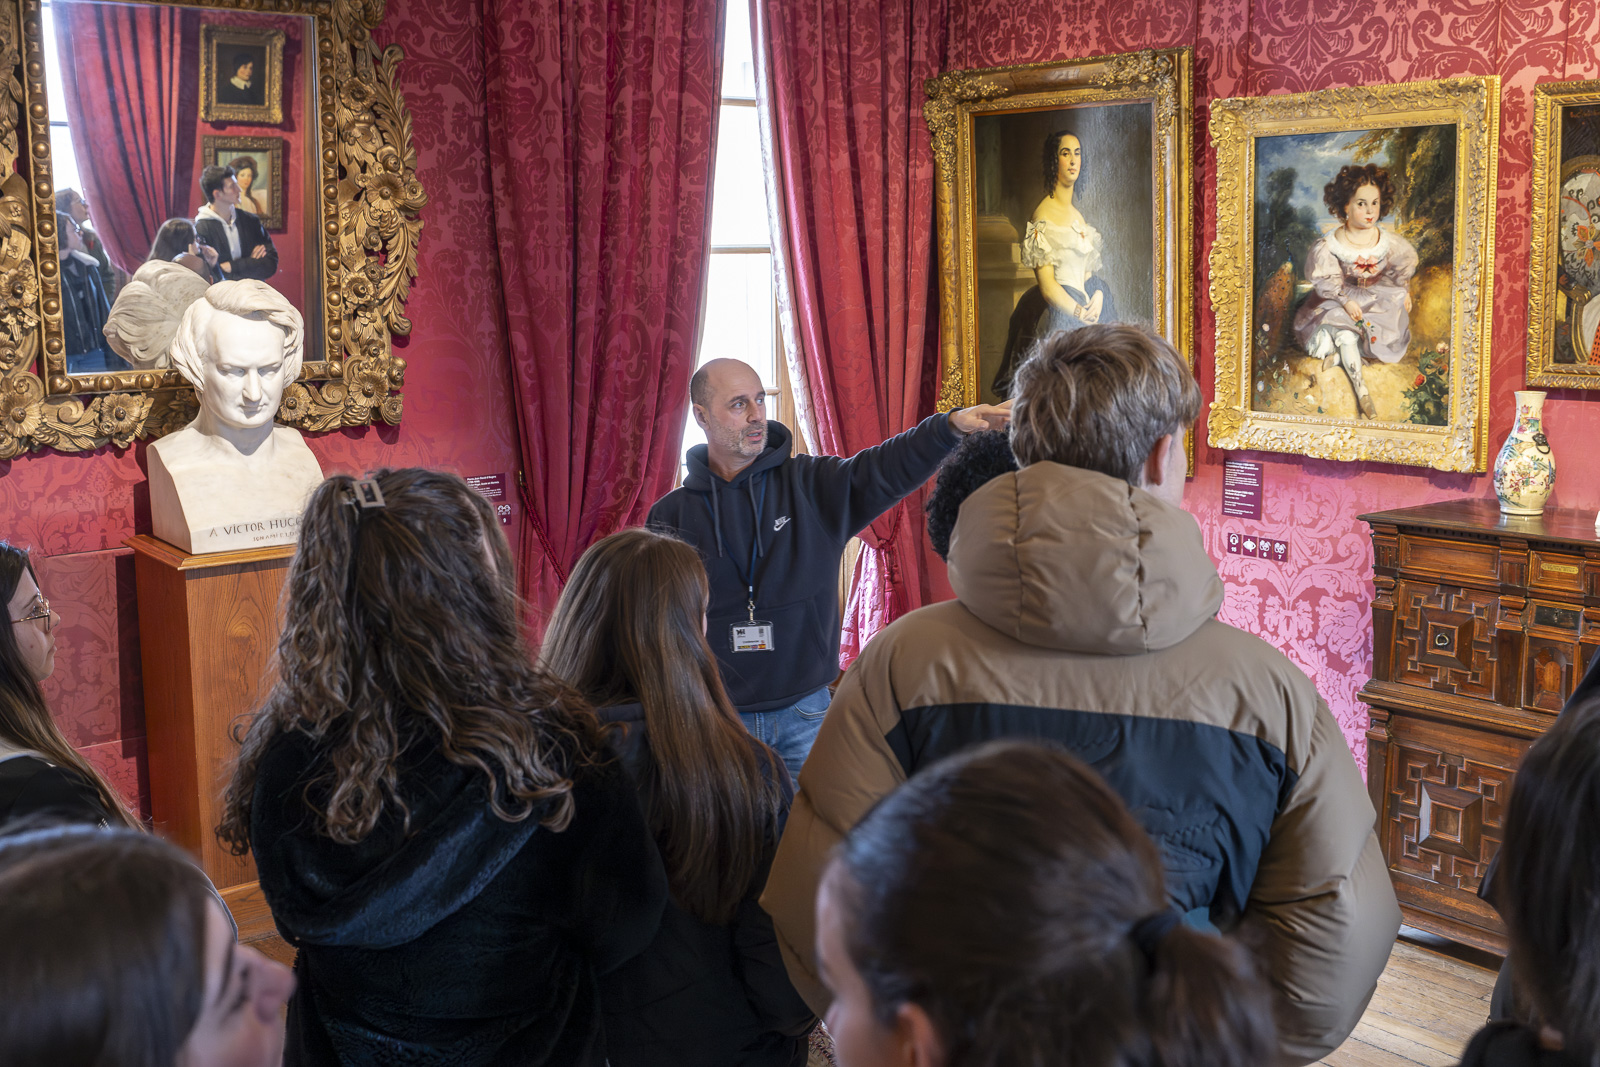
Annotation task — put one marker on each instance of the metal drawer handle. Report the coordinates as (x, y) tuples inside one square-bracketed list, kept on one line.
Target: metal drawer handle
[(1441, 640)]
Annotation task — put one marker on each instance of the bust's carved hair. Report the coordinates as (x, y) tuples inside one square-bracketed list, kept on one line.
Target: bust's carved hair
[(1337, 193), (249, 299), (148, 311)]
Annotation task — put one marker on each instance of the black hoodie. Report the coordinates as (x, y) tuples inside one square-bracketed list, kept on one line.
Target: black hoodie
[(704, 995), (809, 508), (465, 940)]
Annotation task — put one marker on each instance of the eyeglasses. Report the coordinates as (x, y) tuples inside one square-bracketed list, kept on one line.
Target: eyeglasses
[(41, 611)]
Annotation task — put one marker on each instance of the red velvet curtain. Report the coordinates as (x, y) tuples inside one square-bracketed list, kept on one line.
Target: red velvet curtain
[(601, 118), (129, 77), (856, 179)]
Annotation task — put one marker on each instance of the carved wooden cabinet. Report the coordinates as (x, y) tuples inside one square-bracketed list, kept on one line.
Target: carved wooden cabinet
[(1482, 625)]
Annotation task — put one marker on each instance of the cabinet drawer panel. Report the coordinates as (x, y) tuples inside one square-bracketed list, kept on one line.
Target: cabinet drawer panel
[(1450, 560), (1444, 807), (1552, 570), (1444, 639)]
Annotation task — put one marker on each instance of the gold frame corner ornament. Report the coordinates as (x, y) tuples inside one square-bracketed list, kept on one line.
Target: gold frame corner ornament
[(1165, 78), (1472, 104), (1550, 99), (367, 204)]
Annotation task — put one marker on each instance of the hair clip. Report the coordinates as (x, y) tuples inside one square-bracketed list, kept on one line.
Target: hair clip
[(364, 493)]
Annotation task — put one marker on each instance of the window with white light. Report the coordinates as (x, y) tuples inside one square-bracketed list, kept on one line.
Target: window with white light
[(64, 160), (740, 320)]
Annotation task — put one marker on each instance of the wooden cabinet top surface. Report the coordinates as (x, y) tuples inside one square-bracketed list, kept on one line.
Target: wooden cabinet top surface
[(1568, 525)]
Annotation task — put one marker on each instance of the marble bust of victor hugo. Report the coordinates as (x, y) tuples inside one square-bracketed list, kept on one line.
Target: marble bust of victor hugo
[(233, 479)]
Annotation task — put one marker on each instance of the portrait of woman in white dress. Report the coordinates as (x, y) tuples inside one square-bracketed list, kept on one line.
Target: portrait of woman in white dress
[(1066, 254)]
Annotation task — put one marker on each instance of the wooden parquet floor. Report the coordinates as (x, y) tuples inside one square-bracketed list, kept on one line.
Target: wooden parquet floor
[(1431, 999)]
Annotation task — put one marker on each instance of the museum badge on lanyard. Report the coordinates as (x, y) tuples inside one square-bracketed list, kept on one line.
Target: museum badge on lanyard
[(753, 635)]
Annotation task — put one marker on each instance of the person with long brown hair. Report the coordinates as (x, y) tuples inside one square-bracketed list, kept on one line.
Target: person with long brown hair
[(40, 772), (1003, 907), (437, 824), (710, 991), (118, 952)]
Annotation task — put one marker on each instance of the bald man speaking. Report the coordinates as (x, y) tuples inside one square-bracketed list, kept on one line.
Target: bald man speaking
[(771, 528)]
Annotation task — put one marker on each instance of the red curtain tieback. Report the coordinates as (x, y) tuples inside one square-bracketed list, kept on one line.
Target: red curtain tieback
[(538, 530)]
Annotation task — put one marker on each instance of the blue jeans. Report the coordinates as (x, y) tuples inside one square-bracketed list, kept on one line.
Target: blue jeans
[(790, 731)]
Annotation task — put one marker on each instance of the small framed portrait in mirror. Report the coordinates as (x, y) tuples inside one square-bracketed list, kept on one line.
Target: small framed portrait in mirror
[(257, 164), (241, 74)]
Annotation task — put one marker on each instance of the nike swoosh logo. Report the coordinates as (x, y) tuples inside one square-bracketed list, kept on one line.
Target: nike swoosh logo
[(779, 523)]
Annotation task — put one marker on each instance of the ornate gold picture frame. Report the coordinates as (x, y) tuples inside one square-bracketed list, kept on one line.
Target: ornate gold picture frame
[(241, 74), (1352, 270), (1109, 240), (365, 226), (1564, 265)]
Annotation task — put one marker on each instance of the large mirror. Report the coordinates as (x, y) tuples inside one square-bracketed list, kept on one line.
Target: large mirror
[(264, 139)]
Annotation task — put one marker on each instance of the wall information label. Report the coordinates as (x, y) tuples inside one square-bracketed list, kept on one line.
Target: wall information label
[(492, 487), (1241, 488)]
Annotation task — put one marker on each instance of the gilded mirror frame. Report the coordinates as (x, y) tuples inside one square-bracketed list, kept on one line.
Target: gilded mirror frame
[(368, 199), (956, 99)]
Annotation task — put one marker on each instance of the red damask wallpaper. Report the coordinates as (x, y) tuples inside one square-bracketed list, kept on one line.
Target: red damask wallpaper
[(1316, 608), (75, 511)]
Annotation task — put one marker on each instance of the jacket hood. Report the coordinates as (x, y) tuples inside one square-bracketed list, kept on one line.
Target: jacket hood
[(1070, 559), (701, 480), (393, 885)]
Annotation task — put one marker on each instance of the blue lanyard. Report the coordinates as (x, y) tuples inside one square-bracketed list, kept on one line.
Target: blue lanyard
[(748, 576)]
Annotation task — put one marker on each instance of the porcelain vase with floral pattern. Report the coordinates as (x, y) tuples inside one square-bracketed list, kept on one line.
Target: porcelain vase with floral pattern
[(1525, 471)]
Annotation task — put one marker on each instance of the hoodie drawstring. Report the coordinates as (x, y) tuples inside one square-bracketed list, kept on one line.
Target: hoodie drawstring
[(755, 506), (716, 515)]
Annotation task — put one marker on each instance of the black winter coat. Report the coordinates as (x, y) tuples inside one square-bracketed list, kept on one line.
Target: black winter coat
[(467, 941), (251, 233), (796, 513), (702, 995), (84, 307), (31, 785)]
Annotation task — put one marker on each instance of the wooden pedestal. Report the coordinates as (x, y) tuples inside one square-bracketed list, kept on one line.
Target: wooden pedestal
[(1482, 626), (208, 626)]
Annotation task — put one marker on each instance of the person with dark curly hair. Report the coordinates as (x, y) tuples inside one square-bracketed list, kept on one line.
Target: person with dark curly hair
[(978, 459), (439, 826), (1360, 273)]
